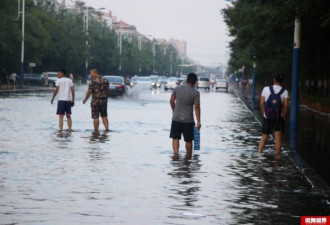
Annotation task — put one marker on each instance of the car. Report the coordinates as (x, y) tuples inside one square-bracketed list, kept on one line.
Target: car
[(51, 78), (34, 79), (182, 81), (155, 81), (144, 83), (162, 80), (172, 83), (133, 81), (204, 82), (221, 83), (116, 85)]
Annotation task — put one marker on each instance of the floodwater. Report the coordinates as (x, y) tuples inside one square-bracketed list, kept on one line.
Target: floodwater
[(129, 175), (313, 143)]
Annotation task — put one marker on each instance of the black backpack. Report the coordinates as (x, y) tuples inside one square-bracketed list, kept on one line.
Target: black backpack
[(273, 105)]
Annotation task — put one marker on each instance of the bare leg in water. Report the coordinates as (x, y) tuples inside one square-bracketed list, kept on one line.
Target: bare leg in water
[(105, 123)]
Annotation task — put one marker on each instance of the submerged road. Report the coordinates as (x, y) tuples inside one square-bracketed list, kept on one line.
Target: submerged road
[(128, 175)]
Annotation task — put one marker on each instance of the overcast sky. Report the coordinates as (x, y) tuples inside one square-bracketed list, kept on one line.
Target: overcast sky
[(198, 22)]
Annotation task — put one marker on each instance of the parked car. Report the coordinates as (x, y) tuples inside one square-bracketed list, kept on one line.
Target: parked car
[(204, 82), (171, 83), (144, 83), (221, 84), (34, 79), (155, 81), (51, 77), (116, 85)]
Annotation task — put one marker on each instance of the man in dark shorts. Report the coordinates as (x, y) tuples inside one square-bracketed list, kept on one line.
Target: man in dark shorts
[(64, 86), (99, 89), (274, 124), (183, 101)]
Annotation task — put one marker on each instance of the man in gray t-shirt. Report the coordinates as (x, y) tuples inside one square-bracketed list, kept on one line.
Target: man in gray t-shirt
[(183, 101)]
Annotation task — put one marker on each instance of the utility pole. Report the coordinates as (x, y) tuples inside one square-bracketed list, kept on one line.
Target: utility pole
[(120, 40), (21, 77), (253, 97), (295, 104), (154, 55), (171, 67), (87, 50)]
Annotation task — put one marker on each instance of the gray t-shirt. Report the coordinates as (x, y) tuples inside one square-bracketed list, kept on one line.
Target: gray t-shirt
[(186, 98)]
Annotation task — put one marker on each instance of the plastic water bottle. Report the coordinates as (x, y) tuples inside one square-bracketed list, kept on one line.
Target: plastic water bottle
[(197, 139)]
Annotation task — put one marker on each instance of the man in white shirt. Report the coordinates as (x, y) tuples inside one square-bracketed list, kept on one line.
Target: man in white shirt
[(64, 86), (274, 107)]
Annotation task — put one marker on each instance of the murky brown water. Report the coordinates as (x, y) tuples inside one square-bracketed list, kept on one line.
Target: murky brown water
[(128, 176)]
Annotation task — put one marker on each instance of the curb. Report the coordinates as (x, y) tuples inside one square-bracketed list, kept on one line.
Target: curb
[(315, 180)]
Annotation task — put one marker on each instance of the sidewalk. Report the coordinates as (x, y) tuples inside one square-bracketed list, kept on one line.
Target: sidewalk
[(313, 148)]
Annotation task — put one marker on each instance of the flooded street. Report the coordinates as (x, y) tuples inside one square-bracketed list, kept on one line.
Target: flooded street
[(129, 175)]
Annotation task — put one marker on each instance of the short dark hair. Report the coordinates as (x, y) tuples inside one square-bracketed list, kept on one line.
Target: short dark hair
[(95, 70), (61, 71), (192, 78), (279, 78)]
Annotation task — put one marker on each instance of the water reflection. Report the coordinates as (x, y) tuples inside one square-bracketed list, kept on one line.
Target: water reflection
[(186, 189), (99, 137), (63, 139)]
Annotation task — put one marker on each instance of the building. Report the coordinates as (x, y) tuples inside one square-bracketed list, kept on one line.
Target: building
[(181, 47), (125, 29)]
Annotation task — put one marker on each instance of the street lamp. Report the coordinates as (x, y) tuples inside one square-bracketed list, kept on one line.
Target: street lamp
[(295, 86), (86, 20), (253, 84), (120, 42), (171, 67), (22, 11), (153, 52)]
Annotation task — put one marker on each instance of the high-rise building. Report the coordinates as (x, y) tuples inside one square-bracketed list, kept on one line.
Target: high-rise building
[(181, 47)]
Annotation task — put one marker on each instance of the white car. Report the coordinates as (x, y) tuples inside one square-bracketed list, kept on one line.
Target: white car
[(144, 83), (51, 77), (204, 82), (171, 83), (221, 84), (155, 81)]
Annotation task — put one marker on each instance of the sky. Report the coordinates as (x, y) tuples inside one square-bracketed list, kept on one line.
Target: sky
[(198, 22)]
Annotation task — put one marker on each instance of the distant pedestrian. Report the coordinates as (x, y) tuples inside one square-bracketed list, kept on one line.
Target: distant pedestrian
[(12, 79), (99, 89), (46, 79), (183, 101), (71, 76), (64, 87), (274, 107)]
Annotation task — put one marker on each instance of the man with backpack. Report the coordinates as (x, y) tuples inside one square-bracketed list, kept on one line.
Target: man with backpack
[(274, 107)]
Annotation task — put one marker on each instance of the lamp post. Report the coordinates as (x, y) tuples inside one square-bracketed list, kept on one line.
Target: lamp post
[(295, 87), (21, 77), (86, 24), (171, 66), (154, 56), (86, 33), (120, 42), (253, 94)]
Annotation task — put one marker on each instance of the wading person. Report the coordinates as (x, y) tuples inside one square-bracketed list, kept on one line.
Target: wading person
[(99, 89), (274, 107), (64, 87), (183, 101)]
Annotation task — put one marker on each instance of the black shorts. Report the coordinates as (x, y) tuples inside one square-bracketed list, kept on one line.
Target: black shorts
[(270, 125), (187, 129), (99, 109), (64, 108)]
